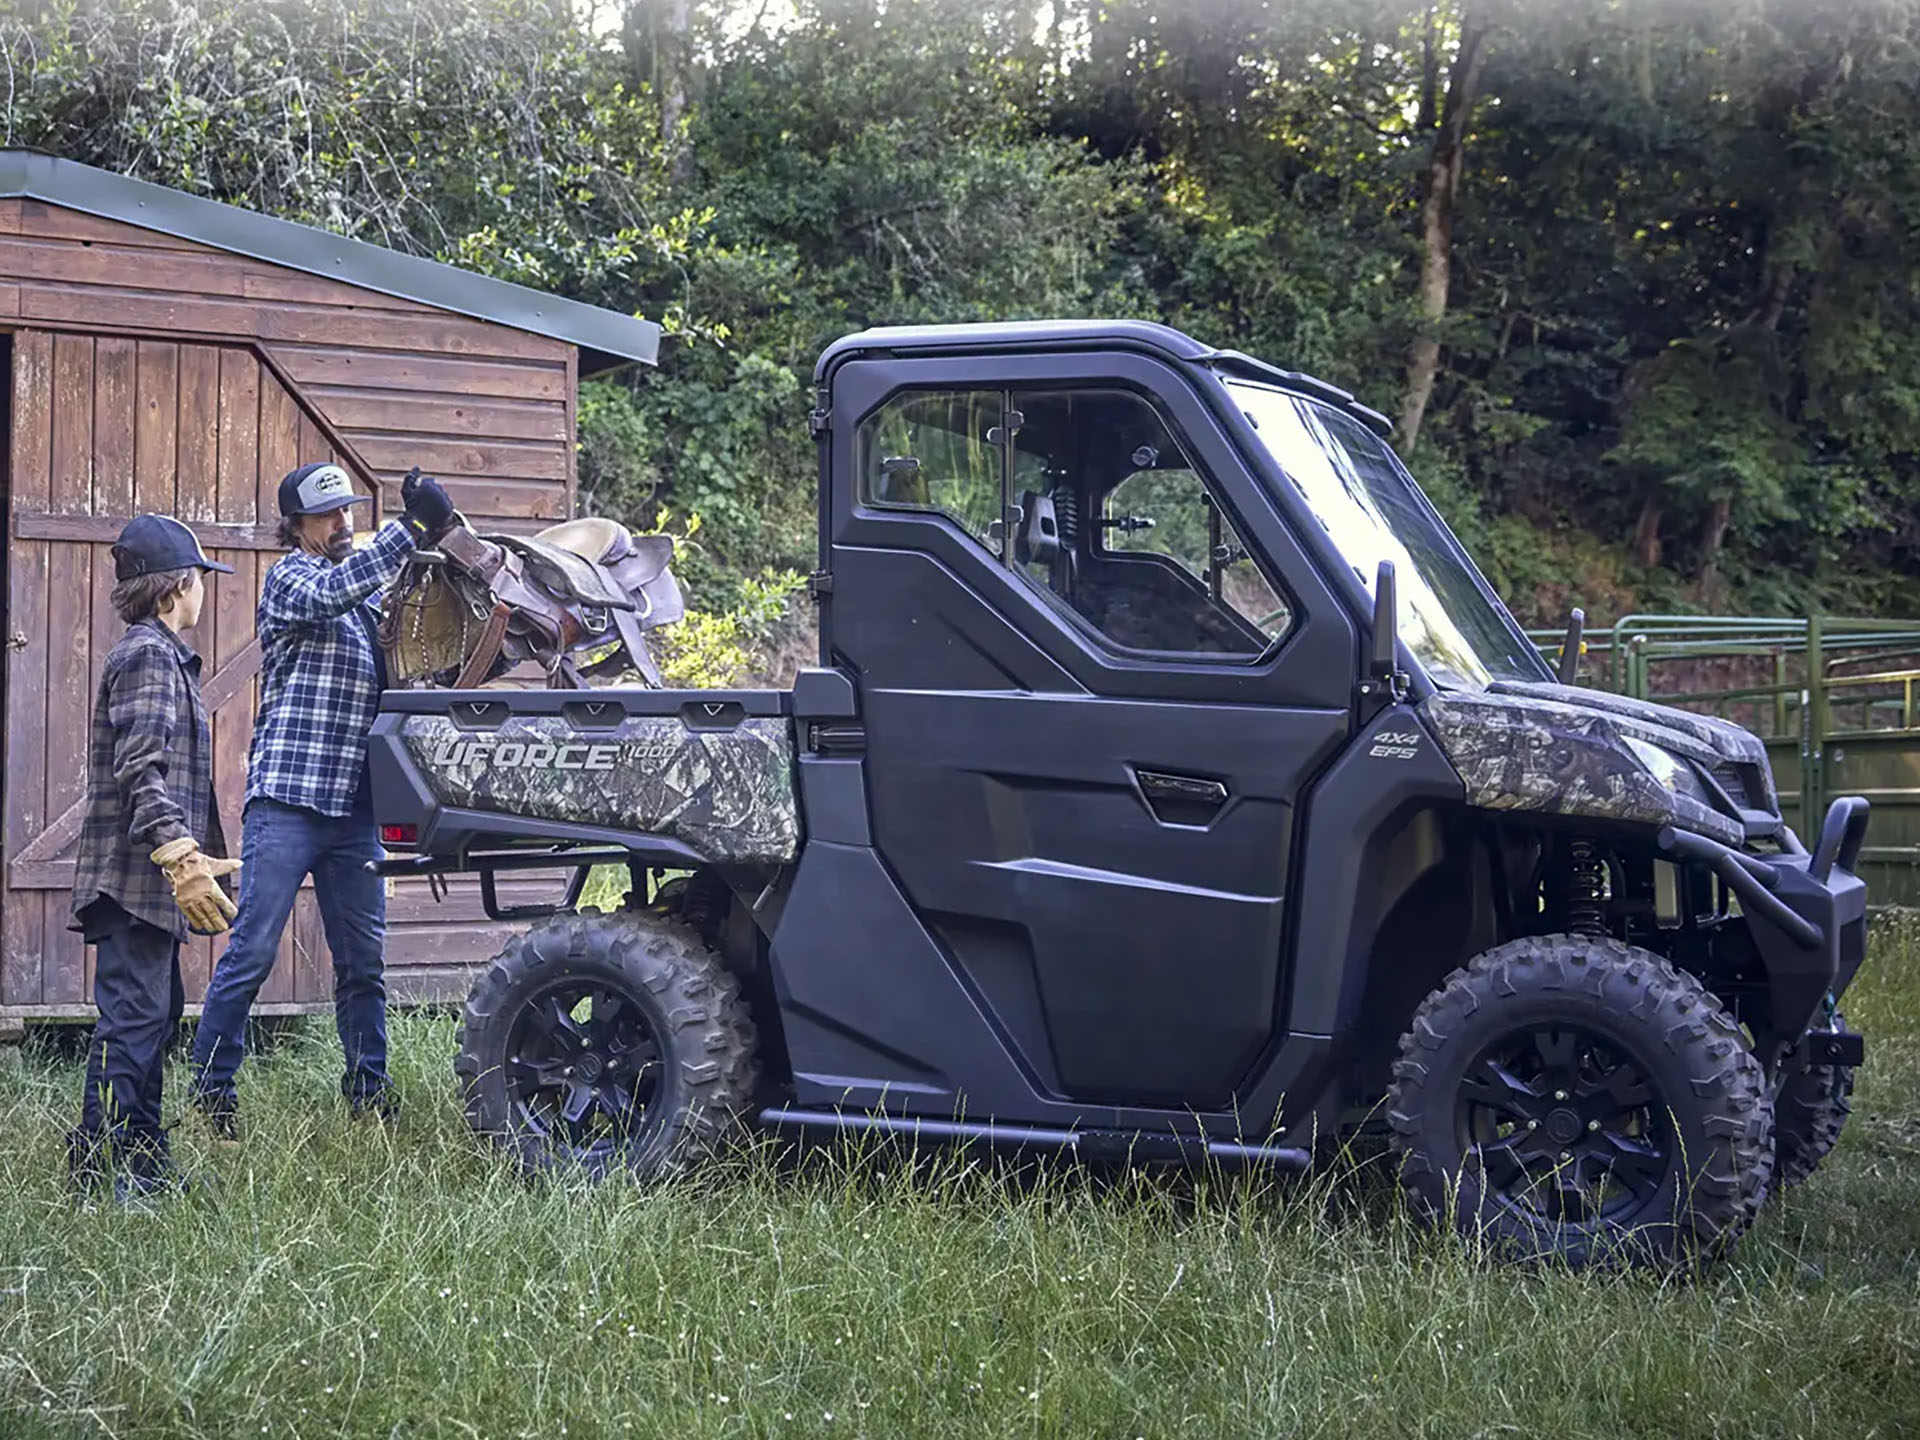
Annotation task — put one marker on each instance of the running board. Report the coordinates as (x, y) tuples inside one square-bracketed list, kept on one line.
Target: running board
[(1108, 1144)]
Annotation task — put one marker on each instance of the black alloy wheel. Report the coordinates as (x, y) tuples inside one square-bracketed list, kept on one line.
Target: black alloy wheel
[(585, 1068), (1566, 1124)]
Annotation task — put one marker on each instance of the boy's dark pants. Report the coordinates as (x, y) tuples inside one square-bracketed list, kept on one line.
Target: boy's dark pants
[(137, 990)]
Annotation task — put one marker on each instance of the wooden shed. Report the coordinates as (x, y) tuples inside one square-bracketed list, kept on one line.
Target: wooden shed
[(168, 353)]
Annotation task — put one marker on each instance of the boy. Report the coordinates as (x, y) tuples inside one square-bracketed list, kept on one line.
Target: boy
[(151, 853)]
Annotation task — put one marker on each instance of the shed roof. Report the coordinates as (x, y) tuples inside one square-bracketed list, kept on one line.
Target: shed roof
[(606, 339)]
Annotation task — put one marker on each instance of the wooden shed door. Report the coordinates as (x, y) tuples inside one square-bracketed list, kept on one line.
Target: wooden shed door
[(105, 428)]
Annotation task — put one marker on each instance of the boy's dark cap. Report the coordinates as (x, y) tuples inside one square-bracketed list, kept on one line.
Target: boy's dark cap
[(152, 543)]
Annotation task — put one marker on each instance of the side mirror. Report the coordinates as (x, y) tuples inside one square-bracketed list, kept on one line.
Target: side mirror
[(1570, 647)]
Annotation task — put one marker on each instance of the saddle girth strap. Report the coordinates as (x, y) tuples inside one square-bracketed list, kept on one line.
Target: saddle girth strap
[(488, 650)]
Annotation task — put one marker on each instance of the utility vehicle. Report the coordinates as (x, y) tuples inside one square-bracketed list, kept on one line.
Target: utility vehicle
[(1172, 786)]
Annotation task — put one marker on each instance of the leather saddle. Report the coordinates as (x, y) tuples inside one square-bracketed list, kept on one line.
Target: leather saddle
[(578, 599)]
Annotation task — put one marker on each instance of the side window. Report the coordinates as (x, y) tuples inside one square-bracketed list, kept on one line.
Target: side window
[(1170, 513), (1147, 557), (1090, 497), (938, 452)]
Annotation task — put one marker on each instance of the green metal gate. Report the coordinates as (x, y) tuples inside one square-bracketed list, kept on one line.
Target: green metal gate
[(1834, 699)]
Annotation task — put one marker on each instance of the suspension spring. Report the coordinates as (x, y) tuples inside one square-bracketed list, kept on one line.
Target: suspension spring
[(1586, 901)]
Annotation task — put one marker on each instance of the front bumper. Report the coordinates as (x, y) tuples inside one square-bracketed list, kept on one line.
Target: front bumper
[(1806, 911)]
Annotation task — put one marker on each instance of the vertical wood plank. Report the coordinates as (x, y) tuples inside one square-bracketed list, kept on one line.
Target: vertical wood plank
[(279, 452), (69, 641), (157, 399), (156, 468), (313, 962), (280, 441), (243, 387), (196, 476), (24, 916), (115, 426), (198, 451), (313, 444), (71, 488)]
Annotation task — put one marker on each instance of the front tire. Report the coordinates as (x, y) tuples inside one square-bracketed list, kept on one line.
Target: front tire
[(605, 1041), (1574, 1097)]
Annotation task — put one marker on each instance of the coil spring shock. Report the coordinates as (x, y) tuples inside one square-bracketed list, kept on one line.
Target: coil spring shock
[(1586, 897)]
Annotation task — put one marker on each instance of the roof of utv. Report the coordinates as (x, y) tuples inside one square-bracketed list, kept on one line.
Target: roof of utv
[(1039, 335)]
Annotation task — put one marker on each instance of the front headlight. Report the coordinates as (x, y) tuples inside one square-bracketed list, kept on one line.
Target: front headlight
[(1670, 770)]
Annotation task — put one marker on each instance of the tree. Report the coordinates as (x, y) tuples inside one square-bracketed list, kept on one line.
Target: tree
[(1446, 159)]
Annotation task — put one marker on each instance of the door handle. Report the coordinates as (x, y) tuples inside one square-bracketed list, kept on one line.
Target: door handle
[(1181, 799)]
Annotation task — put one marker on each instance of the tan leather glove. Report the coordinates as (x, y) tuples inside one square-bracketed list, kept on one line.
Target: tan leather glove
[(194, 875)]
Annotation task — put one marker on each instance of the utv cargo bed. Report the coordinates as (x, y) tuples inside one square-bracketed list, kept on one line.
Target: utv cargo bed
[(709, 774)]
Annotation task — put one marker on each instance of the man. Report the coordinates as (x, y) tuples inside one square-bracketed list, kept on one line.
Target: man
[(308, 803), (151, 853)]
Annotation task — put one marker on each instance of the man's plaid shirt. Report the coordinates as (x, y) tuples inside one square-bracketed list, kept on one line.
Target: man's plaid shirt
[(319, 673), (149, 776)]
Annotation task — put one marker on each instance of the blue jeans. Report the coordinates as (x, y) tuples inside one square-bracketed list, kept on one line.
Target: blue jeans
[(280, 846)]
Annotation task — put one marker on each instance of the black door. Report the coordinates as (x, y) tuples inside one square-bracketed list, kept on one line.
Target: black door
[(1095, 675)]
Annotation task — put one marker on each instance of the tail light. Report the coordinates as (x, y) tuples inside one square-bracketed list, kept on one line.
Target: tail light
[(399, 834)]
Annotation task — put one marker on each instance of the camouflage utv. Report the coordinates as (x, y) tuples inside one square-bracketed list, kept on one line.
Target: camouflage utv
[(1172, 787)]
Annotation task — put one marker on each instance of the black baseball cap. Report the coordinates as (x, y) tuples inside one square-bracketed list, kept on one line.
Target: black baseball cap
[(317, 488), (152, 543)]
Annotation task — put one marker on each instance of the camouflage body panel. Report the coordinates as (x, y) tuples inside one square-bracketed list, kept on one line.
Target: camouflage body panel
[(1725, 739), (728, 794), (1522, 752)]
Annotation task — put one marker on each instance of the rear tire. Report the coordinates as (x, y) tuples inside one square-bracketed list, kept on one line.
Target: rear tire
[(606, 1041), (1574, 1097), (1810, 1109)]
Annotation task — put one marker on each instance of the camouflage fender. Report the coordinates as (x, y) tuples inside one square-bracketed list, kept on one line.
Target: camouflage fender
[(1721, 738), (728, 794), (1530, 753)]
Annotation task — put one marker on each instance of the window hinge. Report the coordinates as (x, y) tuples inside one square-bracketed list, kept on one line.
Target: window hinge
[(820, 584), (818, 419)]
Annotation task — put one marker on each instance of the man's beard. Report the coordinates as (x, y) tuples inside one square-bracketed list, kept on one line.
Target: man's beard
[(339, 547)]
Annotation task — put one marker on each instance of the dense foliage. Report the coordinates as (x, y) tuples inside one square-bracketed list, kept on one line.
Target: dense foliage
[(1661, 257)]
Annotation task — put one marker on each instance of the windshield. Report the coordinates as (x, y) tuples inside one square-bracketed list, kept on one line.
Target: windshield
[(1365, 499)]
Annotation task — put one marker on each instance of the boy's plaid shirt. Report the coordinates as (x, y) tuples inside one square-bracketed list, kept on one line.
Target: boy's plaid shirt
[(149, 776), (319, 673)]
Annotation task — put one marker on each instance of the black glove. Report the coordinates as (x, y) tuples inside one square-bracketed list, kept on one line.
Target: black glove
[(429, 512)]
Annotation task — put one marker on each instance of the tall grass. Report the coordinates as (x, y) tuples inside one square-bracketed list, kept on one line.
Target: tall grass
[(339, 1279)]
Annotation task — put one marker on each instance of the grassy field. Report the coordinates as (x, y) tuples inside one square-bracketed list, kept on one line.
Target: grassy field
[(344, 1280)]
